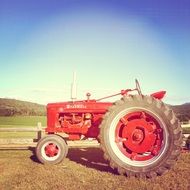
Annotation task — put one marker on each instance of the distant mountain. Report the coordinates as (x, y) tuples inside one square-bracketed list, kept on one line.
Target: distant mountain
[(12, 107), (182, 111)]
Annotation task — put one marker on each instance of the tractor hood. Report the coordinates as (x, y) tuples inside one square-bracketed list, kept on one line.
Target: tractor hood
[(79, 106)]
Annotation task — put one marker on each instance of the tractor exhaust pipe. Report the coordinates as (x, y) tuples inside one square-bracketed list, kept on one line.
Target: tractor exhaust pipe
[(74, 87)]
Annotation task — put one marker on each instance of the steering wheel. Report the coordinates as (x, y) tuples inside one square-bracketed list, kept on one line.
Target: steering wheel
[(138, 88)]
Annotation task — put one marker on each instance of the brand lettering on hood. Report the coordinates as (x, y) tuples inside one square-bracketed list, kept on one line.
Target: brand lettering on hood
[(71, 106)]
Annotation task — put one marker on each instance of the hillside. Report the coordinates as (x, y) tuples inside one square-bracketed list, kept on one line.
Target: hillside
[(12, 107), (182, 111)]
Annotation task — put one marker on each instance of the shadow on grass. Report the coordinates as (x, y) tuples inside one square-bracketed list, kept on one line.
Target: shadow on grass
[(91, 158), (88, 157), (33, 157)]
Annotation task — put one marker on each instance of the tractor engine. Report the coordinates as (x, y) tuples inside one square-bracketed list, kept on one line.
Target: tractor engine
[(74, 119), (75, 124)]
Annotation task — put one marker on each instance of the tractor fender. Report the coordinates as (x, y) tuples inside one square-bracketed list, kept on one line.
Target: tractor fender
[(158, 95)]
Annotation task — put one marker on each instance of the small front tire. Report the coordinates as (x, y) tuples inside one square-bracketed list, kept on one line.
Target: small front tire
[(51, 149)]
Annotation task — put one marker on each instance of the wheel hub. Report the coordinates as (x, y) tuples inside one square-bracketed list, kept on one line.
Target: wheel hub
[(139, 136), (51, 150)]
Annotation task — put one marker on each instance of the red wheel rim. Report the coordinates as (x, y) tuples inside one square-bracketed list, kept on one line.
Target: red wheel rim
[(51, 150), (139, 136)]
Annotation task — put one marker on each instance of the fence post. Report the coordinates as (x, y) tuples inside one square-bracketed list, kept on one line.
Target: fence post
[(39, 133)]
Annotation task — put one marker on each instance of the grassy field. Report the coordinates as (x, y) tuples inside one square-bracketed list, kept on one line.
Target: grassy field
[(20, 121), (82, 169)]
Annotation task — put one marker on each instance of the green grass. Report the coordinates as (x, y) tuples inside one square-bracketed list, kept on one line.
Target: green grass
[(186, 130), (21, 121), (18, 135), (82, 169)]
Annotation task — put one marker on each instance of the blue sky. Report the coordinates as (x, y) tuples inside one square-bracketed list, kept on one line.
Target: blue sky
[(108, 43)]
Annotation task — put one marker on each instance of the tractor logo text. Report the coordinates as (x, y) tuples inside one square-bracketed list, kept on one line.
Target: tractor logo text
[(73, 106)]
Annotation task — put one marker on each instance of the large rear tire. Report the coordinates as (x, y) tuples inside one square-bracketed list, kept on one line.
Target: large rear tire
[(140, 136), (51, 149)]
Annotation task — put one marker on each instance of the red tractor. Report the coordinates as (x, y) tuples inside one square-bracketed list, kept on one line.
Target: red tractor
[(139, 134)]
